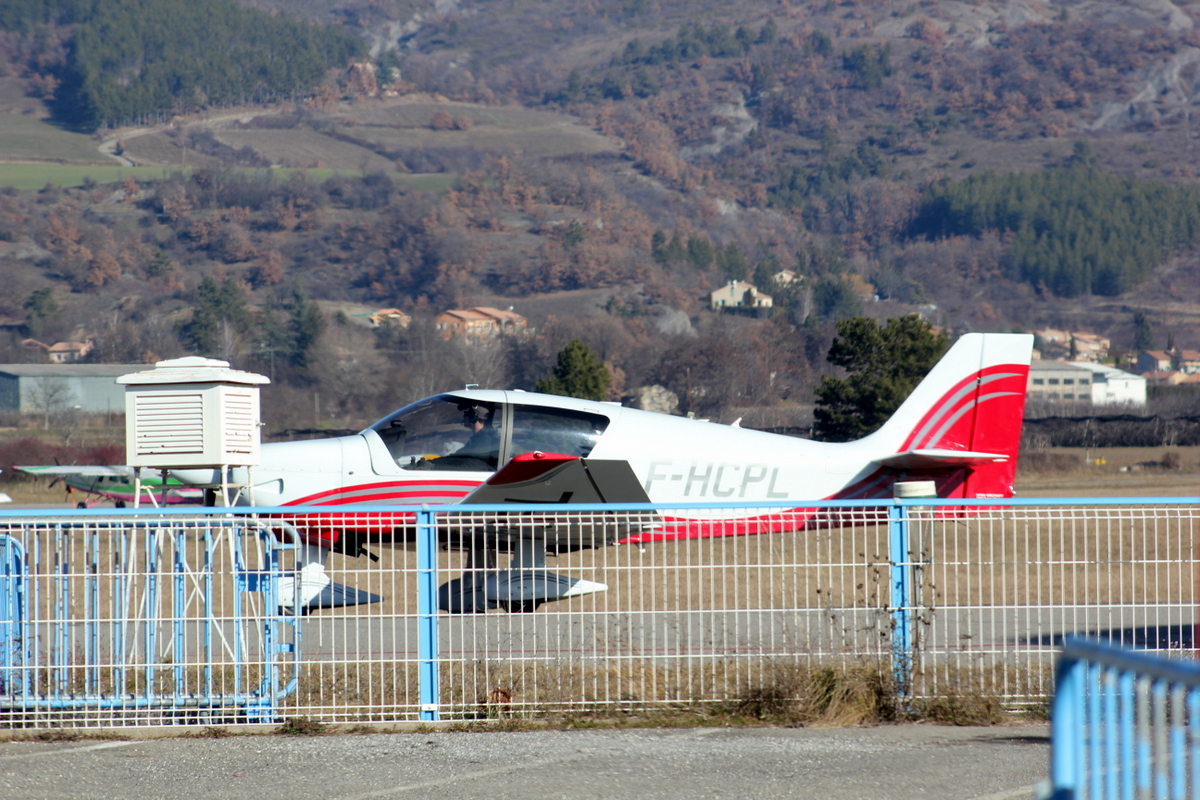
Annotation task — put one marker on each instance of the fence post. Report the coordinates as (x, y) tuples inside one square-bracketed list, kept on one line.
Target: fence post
[(1066, 718), (427, 623), (901, 599)]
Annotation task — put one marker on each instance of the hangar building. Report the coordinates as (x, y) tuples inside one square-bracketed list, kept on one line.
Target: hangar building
[(37, 388)]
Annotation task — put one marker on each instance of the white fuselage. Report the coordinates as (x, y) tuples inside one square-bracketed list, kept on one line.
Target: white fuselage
[(676, 460), (962, 421)]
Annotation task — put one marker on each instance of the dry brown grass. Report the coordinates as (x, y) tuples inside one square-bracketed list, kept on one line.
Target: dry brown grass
[(789, 693), (1098, 473)]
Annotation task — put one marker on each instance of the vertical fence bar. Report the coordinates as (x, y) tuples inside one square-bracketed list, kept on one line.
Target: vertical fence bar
[(13, 612), (427, 622), (1066, 719), (901, 598)]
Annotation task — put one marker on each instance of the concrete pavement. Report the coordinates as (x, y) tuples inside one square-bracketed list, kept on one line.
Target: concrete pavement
[(901, 762)]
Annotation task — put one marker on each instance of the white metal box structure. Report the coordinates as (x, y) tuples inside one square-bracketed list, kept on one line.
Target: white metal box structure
[(192, 412)]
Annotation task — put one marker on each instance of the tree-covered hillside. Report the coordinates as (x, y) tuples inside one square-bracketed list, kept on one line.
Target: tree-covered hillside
[(135, 61), (1073, 231), (603, 167)]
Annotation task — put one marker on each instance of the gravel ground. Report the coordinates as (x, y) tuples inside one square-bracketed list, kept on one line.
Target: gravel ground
[(908, 761)]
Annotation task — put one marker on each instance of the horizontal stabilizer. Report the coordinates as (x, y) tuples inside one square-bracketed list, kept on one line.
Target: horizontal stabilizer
[(938, 459)]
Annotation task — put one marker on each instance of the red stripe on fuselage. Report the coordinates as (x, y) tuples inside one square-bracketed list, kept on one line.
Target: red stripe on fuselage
[(434, 487), (378, 497)]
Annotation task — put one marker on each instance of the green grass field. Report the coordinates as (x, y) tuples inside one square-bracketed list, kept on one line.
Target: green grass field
[(29, 137), (35, 176)]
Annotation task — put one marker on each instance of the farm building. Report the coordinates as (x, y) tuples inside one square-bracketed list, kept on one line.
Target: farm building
[(46, 388)]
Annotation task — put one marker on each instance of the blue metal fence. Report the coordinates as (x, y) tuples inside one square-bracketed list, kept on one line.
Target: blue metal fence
[(1126, 725), (152, 618), (147, 614)]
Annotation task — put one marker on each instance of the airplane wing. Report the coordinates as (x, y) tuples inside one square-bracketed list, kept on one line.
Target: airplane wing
[(117, 483), (80, 471), (557, 478), (933, 458), (535, 478)]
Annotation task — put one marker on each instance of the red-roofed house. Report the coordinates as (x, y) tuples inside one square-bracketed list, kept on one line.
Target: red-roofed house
[(1188, 361), (1154, 361), (479, 323), (62, 352)]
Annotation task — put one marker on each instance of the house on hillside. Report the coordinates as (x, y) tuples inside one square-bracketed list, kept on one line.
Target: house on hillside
[(738, 294), (480, 323), (1052, 336), (1154, 361), (1185, 361), (1074, 345), (390, 318), (61, 352), (785, 277), (1188, 361), (1089, 346)]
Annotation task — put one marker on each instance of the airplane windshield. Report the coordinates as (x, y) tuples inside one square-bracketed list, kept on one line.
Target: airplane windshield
[(443, 433), (555, 430)]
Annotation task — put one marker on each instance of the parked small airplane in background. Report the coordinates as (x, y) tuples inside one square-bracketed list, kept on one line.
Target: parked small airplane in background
[(102, 483), (960, 428)]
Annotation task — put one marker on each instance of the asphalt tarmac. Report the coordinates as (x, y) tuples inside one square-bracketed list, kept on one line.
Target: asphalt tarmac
[(900, 762)]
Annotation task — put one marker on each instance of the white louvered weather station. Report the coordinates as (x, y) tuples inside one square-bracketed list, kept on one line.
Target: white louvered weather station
[(193, 413)]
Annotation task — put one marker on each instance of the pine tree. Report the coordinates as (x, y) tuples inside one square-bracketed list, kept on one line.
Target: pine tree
[(1143, 334), (884, 365), (580, 373), (215, 303), (305, 326)]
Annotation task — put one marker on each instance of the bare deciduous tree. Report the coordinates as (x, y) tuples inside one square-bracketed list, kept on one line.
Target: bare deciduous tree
[(49, 396)]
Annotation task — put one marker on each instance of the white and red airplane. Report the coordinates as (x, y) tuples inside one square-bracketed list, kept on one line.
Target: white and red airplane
[(960, 428)]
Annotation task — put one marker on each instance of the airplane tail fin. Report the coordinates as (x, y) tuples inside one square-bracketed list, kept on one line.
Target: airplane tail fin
[(961, 426)]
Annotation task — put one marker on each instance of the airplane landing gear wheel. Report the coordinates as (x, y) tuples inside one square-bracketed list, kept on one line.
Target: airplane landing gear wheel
[(520, 606), (81, 504)]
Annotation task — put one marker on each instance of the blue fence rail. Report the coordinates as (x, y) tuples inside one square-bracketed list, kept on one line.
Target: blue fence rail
[(129, 612), (1125, 725)]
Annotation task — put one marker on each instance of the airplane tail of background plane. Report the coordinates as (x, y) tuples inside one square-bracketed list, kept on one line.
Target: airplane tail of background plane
[(961, 426)]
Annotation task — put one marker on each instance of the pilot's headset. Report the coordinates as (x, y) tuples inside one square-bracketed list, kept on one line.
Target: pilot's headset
[(475, 414)]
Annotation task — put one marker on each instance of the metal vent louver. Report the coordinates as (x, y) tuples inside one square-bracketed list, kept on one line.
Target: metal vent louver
[(241, 422), (169, 424)]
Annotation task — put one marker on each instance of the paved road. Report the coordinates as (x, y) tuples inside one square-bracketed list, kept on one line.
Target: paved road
[(902, 762)]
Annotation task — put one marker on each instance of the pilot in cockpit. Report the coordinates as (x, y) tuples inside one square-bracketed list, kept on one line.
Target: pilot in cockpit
[(484, 443)]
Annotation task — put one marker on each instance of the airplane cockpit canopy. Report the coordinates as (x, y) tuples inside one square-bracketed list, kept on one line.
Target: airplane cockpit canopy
[(448, 432), (443, 433)]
